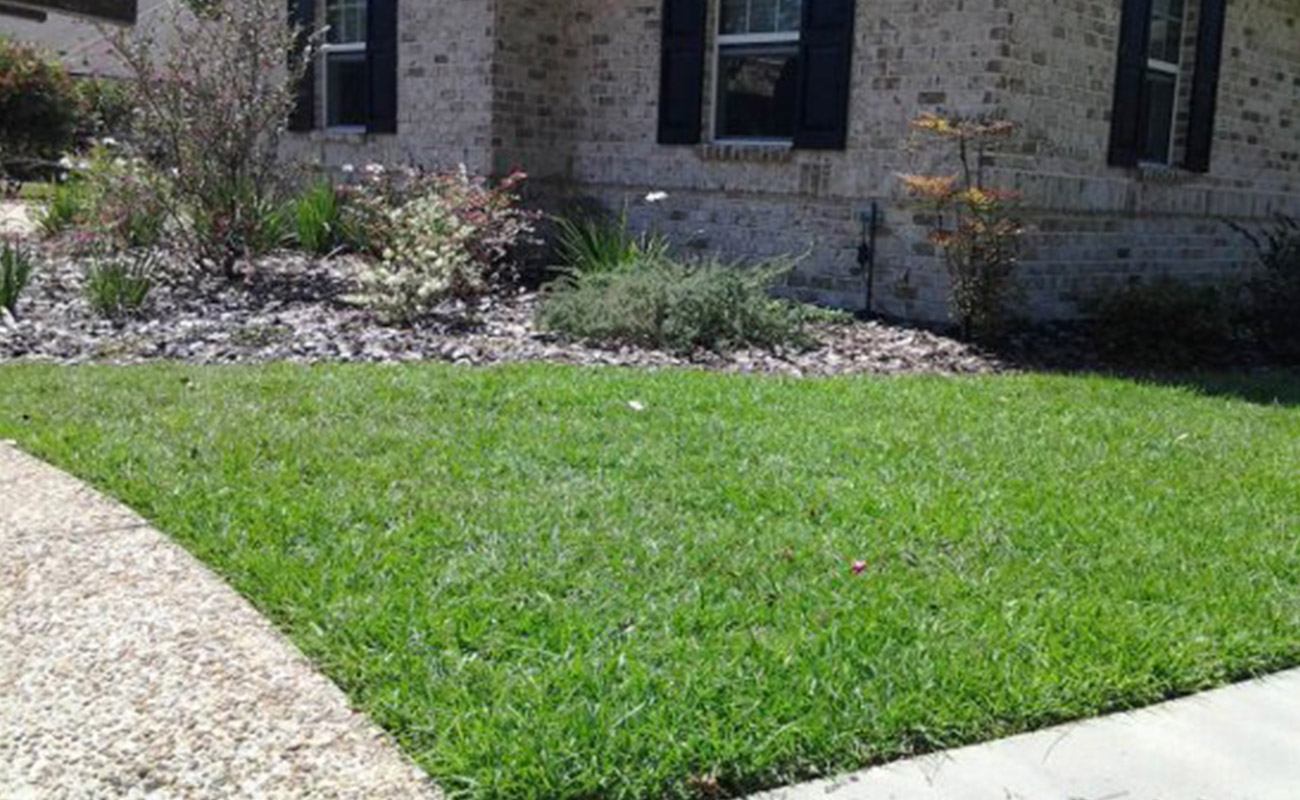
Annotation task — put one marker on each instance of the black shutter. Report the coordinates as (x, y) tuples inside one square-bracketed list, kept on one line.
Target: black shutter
[(681, 71), (381, 65), (1205, 85), (825, 73), (1130, 80), (302, 14)]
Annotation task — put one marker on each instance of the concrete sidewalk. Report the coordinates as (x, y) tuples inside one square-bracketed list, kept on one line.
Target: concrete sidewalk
[(127, 669), (1237, 743)]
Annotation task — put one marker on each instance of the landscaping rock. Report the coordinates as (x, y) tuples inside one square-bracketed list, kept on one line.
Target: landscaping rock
[(294, 309)]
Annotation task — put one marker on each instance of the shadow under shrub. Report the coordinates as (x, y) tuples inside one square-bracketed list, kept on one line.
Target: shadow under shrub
[(1166, 323), (679, 307), (1274, 292)]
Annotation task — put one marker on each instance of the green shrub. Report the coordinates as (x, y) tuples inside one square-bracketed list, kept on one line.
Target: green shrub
[(105, 109), (318, 218), (676, 306), (39, 110), (118, 286), (16, 267), (1274, 308), (1165, 323), (593, 244)]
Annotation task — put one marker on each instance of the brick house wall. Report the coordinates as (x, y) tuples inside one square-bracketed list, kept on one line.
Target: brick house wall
[(569, 91)]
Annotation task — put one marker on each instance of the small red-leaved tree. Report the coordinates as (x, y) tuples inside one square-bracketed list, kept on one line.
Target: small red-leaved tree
[(214, 86), (972, 224)]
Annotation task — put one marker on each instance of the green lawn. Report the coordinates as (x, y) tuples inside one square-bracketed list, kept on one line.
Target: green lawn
[(544, 592)]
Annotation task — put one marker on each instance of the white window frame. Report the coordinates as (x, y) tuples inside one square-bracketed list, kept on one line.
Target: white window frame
[(723, 41), (326, 49), (1176, 70)]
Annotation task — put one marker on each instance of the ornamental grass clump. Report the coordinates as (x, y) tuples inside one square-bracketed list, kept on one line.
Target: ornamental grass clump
[(597, 244), (118, 286), (16, 266), (974, 225)]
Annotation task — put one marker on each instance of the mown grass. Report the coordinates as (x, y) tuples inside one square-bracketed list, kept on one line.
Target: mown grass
[(544, 592)]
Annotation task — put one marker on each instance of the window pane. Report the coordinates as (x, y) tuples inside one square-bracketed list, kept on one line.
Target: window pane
[(346, 89), (760, 16), (735, 18), (756, 92), (789, 15), (346, 20), (1158, 117), (1166, 30)]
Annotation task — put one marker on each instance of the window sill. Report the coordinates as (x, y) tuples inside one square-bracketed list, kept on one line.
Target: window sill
[(747, 151), (1152, 172)]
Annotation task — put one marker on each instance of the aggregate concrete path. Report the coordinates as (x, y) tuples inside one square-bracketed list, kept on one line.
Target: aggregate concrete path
[(1237, 743), (127, 669)]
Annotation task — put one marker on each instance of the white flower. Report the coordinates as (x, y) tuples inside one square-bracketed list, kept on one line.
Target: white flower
[(348, 169), (108, 141), (636, 405), (374, 168), (66, 162), (656, 197)]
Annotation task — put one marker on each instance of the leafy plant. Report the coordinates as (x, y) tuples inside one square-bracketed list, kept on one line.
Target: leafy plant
[(446, 236), (212, 101), (595, 244), (38, 109), (676, 306), (318, 217), (16, 267), (1165, 323), (973, 224), (1274, 307), (118, 286), (109, 191)]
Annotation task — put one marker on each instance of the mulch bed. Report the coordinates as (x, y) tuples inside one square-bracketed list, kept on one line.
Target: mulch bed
[(293, 308)]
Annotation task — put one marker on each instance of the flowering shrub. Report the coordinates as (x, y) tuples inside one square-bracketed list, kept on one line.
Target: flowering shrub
[(971, 223), (213, 100), (438, 237), (38, 109)]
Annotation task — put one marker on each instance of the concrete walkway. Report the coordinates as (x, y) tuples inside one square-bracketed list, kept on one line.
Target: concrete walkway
[(127, 669), (1237, 743)]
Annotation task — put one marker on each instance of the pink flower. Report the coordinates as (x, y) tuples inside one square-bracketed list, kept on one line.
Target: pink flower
[(859, 567)]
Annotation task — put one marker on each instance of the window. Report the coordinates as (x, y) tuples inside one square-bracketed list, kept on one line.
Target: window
[(758, 69), (344, 55), (1160, 84)]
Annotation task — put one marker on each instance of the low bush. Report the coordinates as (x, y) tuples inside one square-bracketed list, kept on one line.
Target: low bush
[(1274, 292), (439, 237), (16, 267), (1165, 323), (676, 306), (106, 109), (595, 244), (38, 110), (318, 218), (118, 285)]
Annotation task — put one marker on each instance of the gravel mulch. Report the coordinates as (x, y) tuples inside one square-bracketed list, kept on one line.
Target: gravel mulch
[(294, 309)]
